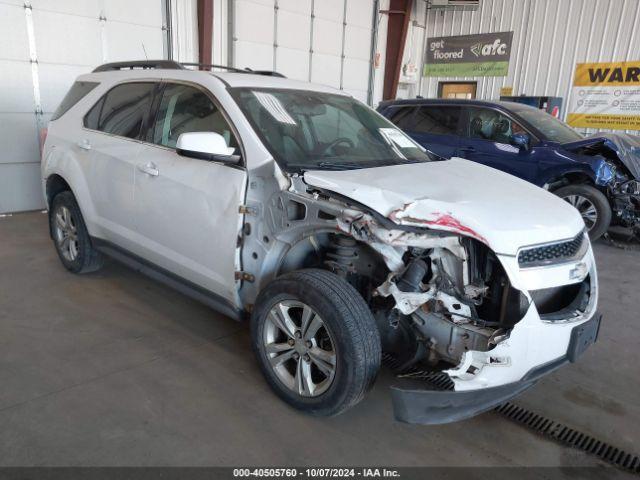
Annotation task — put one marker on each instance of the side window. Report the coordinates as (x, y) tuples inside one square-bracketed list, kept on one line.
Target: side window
[(437, 120), (487, 124), (122, 110), (403, 117), (186, 109)]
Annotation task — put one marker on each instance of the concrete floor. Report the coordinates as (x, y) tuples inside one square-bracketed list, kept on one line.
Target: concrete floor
[(114, 369)]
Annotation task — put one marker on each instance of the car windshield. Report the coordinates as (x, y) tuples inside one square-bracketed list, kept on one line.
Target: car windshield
[(307, 130), (551, 128)]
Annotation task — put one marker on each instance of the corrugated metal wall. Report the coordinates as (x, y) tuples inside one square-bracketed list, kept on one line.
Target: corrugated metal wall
[(550, 37)]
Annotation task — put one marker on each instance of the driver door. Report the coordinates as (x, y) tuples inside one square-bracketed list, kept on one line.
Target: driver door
[(486, 139), (187, 210)]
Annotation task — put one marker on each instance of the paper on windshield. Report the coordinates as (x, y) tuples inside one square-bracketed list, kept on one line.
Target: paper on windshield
[(397, 137)]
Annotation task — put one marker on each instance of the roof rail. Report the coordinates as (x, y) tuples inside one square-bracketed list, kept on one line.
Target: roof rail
[(143, 64), (209, 66), (171, 65)]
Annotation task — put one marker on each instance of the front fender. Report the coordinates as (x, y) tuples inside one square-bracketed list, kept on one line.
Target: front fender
[(552, 174)]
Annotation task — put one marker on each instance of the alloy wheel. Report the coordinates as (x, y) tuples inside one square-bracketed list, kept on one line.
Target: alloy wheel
[(66, 234), (300, 348), (586, 208)]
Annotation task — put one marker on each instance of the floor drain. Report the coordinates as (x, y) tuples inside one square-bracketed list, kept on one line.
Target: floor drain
[(570, 437), (548, 428)]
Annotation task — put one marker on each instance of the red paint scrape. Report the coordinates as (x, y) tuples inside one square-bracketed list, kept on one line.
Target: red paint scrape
[(445, 220)]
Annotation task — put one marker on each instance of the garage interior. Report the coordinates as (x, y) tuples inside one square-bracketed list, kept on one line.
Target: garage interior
[(114, 369)]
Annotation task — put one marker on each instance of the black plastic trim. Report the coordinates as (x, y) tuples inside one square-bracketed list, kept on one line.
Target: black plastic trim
[(170, 279), (416, 403)]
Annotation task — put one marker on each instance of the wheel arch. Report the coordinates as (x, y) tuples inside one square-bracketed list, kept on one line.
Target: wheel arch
[(54, 185), (575, 177)]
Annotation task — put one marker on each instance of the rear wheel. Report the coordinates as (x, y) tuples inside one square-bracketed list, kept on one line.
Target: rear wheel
[(592, 205), (70, 235), (316, 341)]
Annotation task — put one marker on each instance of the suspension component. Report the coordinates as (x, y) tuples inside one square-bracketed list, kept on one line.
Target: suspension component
[(342, 255)]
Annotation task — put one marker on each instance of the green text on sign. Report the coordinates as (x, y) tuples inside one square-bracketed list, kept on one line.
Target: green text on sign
[(483, 69)]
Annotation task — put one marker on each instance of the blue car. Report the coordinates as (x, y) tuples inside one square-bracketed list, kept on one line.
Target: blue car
[(599, 175)]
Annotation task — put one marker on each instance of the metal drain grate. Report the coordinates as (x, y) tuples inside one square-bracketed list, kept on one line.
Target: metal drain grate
[(549, 428), (570, 437)]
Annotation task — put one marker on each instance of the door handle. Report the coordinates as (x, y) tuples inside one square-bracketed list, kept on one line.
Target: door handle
[(467, 149), (84, 144), (149, 168)]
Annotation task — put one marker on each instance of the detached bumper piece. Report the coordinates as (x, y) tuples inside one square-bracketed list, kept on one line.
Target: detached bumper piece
[(424, 403)]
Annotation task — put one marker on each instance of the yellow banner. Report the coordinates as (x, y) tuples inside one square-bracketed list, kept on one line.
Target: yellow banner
[(607, 74), (612, 122)]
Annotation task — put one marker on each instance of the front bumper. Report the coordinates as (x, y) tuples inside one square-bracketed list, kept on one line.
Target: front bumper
[(413, 402)]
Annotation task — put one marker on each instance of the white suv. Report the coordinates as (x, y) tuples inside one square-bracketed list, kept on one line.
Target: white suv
[(342, 239)]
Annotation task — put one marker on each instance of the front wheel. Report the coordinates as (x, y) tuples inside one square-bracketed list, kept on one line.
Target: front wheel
[(592, 205), (316, 341)]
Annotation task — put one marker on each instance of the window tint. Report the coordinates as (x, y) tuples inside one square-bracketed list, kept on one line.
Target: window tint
[(125, 108), (491, 125), (437, 120), (186, 109), (403, 117), (76, 93), (92, 118)]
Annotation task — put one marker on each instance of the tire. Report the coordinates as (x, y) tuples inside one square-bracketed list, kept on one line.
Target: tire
[(583, 197), (348, 325), (70, 236)]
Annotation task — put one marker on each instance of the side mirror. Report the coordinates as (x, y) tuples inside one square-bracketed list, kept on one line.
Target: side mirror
[(520, 140), (209, 146)]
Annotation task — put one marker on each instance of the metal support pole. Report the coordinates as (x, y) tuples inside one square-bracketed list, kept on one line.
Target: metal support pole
[(372, 55), (167, 29), (399, 14), (205, 31)]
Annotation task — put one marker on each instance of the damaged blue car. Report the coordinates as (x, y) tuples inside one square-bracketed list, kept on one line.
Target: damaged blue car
[(599, 175)]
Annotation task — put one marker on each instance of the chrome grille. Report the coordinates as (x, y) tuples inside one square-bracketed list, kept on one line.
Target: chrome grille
[(553, 253)]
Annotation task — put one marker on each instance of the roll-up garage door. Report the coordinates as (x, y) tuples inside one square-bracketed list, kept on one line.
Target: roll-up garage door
[(44, 46), (322, 41)]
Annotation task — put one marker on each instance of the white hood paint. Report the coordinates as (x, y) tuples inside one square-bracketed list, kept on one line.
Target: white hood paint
[(460, 196)]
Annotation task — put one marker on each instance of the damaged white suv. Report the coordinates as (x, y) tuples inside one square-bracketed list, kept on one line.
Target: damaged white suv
[(342, 239)]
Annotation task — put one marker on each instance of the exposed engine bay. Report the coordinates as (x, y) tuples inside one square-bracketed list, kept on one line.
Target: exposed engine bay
[(618, 173), (443, 295), (434, 294)]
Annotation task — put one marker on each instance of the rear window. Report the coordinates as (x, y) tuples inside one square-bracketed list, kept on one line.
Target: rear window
[(76, 93), (437, 120)]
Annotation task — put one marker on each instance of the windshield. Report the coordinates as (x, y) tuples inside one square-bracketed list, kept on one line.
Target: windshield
[(306, 130), (551, 128)]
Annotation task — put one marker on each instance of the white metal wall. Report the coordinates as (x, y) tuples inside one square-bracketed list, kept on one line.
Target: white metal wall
[(323, 41), (550, 37), (44, 46), (184, 29)]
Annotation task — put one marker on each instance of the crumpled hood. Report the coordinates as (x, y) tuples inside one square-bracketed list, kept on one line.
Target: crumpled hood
[(626, 147), (459, 196)]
